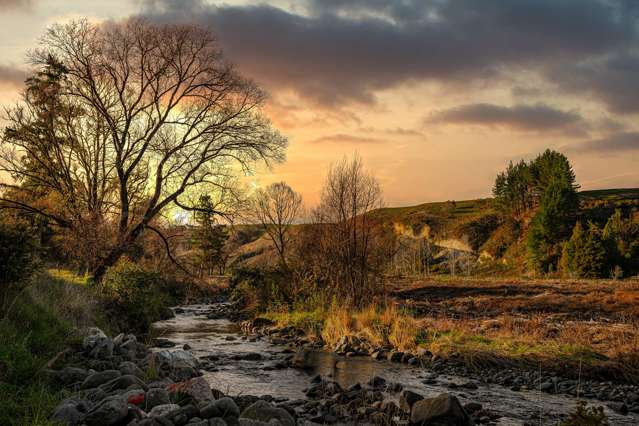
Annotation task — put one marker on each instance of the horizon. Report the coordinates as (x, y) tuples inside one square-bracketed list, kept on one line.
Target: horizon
[(436, 97)]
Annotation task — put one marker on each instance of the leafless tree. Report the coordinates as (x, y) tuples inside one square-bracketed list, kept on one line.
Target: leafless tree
[(347, 236), (137, 118), (276, 208)]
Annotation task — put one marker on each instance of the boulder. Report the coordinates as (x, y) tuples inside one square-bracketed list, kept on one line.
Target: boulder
[(217, 422), (71, 411), (96, 379), (131, 368), (97, 344), (198, 389), (407, 399), (71, 375), (155, 397), (443, 410), (377, 381), (264, 412), (163, 410), (223, 407), (123, 382), (107, 412)]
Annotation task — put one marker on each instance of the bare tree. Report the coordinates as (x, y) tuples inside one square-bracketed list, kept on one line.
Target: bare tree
[(276, 208), (130, 119), (348, 236)]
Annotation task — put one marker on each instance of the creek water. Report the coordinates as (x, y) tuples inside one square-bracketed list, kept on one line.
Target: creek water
[(219, 342)]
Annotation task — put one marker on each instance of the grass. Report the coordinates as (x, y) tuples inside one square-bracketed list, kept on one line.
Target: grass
[(42, 320)]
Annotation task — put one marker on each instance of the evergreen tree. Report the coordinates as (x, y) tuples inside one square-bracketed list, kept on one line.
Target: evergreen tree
[(551, 225), (584, 255), (621, 237), (210, 238)]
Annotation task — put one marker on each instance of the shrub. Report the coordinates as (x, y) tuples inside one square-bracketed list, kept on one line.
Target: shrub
[(585, 416), (259, 289), (138, 297), (584, 255), (18, 253)]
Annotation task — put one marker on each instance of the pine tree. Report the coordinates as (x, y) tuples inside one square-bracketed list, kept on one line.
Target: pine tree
[(584, 255)]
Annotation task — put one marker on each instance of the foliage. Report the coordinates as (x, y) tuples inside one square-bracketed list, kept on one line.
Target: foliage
[(137, 297), (210, 238), (551, 225), (586, 416), (151, 138), (262, 289), (520, 188), (621, 236), (18, 252), (584, 255)]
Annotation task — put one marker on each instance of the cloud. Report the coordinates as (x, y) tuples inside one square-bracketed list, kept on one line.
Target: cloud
[(619, 142), (336, 51), (344, 138), (12, 76), (15, 4), (611, 79), (539, 117)]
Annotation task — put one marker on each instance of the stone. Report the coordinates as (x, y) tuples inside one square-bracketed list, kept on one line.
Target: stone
[(217, 421), (472, 407), (265, 412), (71, 412), (223, 407), (110, 411), (97, 344), (377, 381), (249, 356), (96, 379), (198, 389), (123, 382), (155, 397), (443, 410), (163, 410), (407, 399), (71, 375), (395, 356), (302, 359), (131, 369)]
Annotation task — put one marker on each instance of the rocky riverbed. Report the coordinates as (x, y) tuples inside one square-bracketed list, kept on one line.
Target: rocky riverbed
[(206, 370)]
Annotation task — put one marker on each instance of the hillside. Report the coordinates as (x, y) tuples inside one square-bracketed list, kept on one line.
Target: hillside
[(472, 227)]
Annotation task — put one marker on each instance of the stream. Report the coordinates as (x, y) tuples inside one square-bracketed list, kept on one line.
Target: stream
[(220, 346)]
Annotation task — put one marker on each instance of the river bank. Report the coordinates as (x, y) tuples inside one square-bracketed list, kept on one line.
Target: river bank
[(205, 370)]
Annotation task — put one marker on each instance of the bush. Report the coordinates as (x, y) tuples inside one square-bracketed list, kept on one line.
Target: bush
[(584, 255), (584, 416), (137, 297), (18, 253), (260, 290)]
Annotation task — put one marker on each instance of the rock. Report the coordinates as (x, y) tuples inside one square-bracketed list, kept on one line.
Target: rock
[(71, 375), (230, 338), (265, 412), (249, 356), (71, 412), (96, 379), (123, 382), (163, 343), (377, 381), (155, 397), (250, 422), (223, 407), (131, 369), (395, 356), (618, 407), (97, 344), (472, 407), (407, 399), (301, 359), (217, 422), (163, 410), (180, 365), (111, 410), (198, 389), (134, 396), (443, 410)]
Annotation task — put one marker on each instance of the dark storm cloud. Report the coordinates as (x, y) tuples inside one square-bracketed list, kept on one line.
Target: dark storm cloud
[(12, 76), (619, 142), (538, 117), (337, 51), (612, 79)]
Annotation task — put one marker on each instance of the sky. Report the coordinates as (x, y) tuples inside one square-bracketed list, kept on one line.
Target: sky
[(437, 96)]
